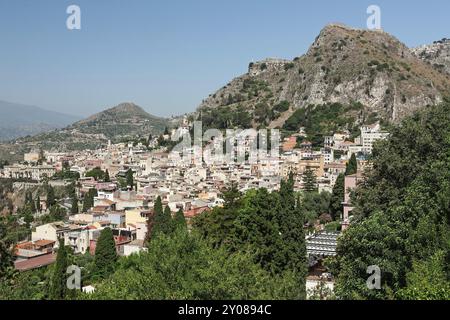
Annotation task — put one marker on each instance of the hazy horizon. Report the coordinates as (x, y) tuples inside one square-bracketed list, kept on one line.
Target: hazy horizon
[(167, 56)]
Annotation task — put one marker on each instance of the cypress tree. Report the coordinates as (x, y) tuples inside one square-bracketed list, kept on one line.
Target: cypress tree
[(168, 225), (50, 196), (300, 262), (88, 201), (70, 189), (158, 207), (29, 201), (309, 181), (180, 220), (337, 197), (352, 166), (74, 208), (38, 203), (28, 198), (32, 206), (162, 218), (58, 281), (291, 220), (130, 180), (105, 255), (107, 178)]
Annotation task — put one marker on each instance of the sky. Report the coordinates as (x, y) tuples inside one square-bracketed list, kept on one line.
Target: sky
[(168, 55)]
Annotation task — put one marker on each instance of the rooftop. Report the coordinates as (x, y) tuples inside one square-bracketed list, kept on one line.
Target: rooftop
[(33, 263)]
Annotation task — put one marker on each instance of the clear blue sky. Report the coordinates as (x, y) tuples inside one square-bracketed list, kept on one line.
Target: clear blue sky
[(168, 55)]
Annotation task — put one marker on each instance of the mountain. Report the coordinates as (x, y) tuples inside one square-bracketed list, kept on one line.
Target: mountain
[(436, 54), (17, 120), (371, 69), (124, 122)]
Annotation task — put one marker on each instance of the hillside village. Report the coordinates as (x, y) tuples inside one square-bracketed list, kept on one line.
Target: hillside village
[(321, 116), (126, 206)]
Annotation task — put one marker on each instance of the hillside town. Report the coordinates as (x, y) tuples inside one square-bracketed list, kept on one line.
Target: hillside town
[(129, 178)]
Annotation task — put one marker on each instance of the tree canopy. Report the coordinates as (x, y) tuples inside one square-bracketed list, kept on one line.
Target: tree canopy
[(105, 254), (401, 210)]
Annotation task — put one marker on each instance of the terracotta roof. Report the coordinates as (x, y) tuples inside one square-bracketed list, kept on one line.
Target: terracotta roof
[(196, 211), (43, 242), (110, 202), (100, 208), (103, 222), (36, 262)]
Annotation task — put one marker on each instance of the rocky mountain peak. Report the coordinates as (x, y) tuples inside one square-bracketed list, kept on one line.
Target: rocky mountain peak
[(343, 65)]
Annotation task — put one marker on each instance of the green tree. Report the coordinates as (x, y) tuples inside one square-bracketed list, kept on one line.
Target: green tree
[(291, 221), (217, 225), (38, 203), (337, 197), (352, 166), (257, 226), (105, 255), (129, 178), (314, 204), (427, 280), (28, 197), (57, 213), (71, 189), (88, 201), (309, 181), (27, 214), (184, 266), (6, 258), (96, 173), (162, 219), (180, 220), (51, 200), (107, 178), (58, 286), (74, 208), (401, 208)]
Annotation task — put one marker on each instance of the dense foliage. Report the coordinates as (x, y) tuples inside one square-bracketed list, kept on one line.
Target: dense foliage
[(183, 266), (323, 120), (402, 214), (269, 225), (98, 174)]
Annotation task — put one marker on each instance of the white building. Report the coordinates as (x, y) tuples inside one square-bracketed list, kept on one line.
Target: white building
[(370, 134)]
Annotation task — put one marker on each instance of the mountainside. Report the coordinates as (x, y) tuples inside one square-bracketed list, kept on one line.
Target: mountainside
[(124, 120), (121, 123), (437, 54), (17, 120), (343, 65)]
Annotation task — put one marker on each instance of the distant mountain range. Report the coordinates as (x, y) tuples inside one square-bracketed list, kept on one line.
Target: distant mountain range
[(17, 120), (343, 65), (124, 122)]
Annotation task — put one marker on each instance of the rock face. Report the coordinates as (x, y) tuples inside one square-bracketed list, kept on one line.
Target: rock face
[(437, 54), (343, 65)]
